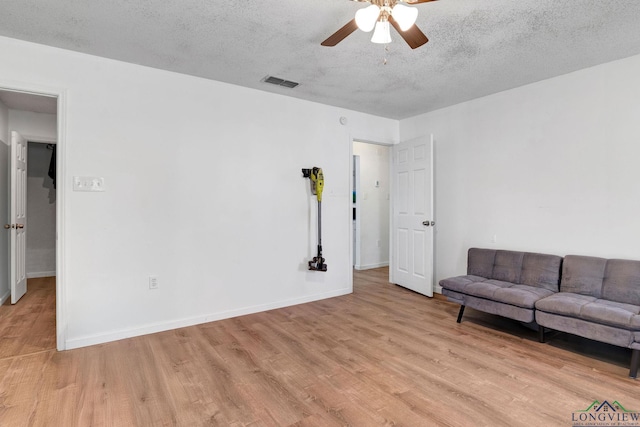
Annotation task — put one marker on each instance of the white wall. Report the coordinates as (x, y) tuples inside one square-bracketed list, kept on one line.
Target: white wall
[(4, 124), (549, 167), (34, 126), (41, 213), (373, 205), (203, 189), (4, 202)]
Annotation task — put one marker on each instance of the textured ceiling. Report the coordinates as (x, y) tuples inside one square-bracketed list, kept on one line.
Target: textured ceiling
[(477, 47)]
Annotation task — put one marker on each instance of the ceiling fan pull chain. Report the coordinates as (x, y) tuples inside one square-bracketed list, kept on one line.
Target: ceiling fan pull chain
[(386, 51)]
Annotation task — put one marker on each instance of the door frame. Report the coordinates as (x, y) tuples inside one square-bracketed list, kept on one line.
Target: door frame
[(61, 269)]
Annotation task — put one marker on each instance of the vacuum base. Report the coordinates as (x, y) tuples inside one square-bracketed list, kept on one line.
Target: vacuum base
[(317, 264)]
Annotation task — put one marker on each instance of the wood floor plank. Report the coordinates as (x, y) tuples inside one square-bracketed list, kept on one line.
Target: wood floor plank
[(29, 326), (381, 356)]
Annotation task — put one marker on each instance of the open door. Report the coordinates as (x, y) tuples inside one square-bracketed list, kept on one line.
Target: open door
[(18, 217), (412, 215)]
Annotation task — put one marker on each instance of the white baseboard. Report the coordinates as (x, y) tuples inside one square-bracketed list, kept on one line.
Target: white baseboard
[(370, 266), (37, 274), (191, 321), (5, 297)]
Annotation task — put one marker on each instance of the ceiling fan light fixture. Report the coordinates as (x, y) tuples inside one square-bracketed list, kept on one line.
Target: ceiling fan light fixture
[(381, 34), (366, 18), (405, 16)]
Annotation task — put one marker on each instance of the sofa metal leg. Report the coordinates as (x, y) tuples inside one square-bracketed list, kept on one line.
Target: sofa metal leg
[(460, 314), (540, 333), (635, 360)]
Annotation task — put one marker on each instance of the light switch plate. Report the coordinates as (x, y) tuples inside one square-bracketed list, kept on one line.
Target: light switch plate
[(88, 183)]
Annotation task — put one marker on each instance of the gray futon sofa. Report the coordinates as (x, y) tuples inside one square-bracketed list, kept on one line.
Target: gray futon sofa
[(595, 298)]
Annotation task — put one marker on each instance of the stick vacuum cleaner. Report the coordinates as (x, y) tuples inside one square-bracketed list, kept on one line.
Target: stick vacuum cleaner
[(317, 184)]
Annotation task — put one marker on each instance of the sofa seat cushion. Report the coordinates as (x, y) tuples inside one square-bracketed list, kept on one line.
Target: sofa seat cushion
[(521, 295), (524, 296), (613, 313), (588, 308), (460, 283), (565, 303)]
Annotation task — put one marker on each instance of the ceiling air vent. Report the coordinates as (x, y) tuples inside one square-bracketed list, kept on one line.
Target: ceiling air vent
[(280, 82)]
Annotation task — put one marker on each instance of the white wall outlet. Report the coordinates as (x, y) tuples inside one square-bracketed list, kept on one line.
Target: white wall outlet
[(153, 282), (88, 183)]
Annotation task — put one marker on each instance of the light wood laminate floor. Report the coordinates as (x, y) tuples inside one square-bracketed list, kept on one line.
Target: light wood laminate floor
[(30, 325), (380, 356)]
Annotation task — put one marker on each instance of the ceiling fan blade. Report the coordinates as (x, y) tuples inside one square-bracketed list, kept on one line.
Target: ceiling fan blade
[(413, 36), (341, 34), (417, 1)]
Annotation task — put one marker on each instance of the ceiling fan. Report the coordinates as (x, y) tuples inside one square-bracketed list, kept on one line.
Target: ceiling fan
[(379, 14)]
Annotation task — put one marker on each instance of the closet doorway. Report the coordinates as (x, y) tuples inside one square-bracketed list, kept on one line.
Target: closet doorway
[(371, 205), (41, 210)]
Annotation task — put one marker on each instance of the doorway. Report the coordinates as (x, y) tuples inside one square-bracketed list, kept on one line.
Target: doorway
[(34, 116), (41, 210), (371, 205), (410, 234)]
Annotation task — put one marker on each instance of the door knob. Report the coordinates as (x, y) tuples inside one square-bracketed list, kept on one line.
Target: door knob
[(19, 225), (7, 226), (426, 223)]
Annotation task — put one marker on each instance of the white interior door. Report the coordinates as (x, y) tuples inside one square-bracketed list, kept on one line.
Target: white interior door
[(18, 217), (412, 215)]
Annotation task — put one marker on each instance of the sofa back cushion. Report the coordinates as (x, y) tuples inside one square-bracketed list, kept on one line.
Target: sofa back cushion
[(622, 281), (525, 268), (507, 266), (583, 275), (541, 270), (480, 262)]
